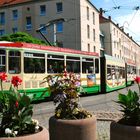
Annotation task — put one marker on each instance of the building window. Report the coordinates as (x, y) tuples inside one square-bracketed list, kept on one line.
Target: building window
[(59, 7), (94, 34), (59, 44), (88, 47), (88, 31), (44, 29), (114, 31), (93, 18), (15, 14), (43, 10), (94, 49), (2, 32), (2, 18), (28, 23), (15, 29), (59, 27), (87, 13)]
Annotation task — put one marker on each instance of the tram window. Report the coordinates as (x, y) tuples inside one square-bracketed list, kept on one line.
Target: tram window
[(131, 70), (134, 70), (96, 65), (117, 71), (55, 63), (34, 63), (2, 60), (109, 76), (87, 65), (122, 72), (113, 72), (73, 64), (128, 69), (14, 62)]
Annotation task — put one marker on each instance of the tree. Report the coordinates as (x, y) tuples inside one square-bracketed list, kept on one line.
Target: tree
[(22, 37)]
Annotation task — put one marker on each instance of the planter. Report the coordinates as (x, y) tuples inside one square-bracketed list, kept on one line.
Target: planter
[(82, 129), (124, 132), (42, 135)]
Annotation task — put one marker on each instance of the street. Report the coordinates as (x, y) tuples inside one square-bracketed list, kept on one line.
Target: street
[(98, 104)]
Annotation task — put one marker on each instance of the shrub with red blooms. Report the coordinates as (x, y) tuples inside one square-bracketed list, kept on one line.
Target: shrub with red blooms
[(64, 89), (15, 110), (130, 104)]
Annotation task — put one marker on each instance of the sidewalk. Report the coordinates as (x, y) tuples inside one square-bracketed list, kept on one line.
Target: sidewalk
[(103, 123)]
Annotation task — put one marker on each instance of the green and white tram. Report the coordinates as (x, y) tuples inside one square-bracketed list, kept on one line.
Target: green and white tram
[(113, 73), (33, 62)]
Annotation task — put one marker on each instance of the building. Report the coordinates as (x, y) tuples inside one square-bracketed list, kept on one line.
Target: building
[(118, 43), (67, 23)]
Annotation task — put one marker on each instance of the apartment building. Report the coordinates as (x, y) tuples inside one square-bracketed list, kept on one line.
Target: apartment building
[(118, 43), (69, 23)]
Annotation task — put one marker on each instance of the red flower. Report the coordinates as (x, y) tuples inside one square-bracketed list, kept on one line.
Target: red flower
[(137, 79), (16, 81), (65, 73), (3, 76), (16, 104)]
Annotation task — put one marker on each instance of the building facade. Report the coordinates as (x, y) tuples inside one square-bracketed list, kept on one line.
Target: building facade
[(119, 44), (79, 28)]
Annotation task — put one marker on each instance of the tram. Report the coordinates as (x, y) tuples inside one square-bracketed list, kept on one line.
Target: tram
[(113, 73), (33, 62)]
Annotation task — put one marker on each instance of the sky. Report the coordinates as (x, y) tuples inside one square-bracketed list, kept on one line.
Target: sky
[(124, 12)]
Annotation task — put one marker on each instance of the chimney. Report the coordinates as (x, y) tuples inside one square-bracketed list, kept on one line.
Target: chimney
[(101, 12), (122, 28), (109, 17)]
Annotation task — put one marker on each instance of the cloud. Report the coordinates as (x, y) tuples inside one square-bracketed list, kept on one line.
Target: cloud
[(131, 24)]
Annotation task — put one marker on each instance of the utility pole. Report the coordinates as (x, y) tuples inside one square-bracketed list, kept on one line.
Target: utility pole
[(54, 33)]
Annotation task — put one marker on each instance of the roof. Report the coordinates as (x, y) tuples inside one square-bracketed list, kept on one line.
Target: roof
[(12, 2), (46, 48), (4, 3), (93, 6), (103, 19)]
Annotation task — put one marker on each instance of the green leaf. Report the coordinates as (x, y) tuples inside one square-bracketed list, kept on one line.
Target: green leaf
[(122, 99)]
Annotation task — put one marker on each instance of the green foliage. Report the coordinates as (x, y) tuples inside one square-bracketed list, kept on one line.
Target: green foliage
[(130, 107), (22, 37)]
